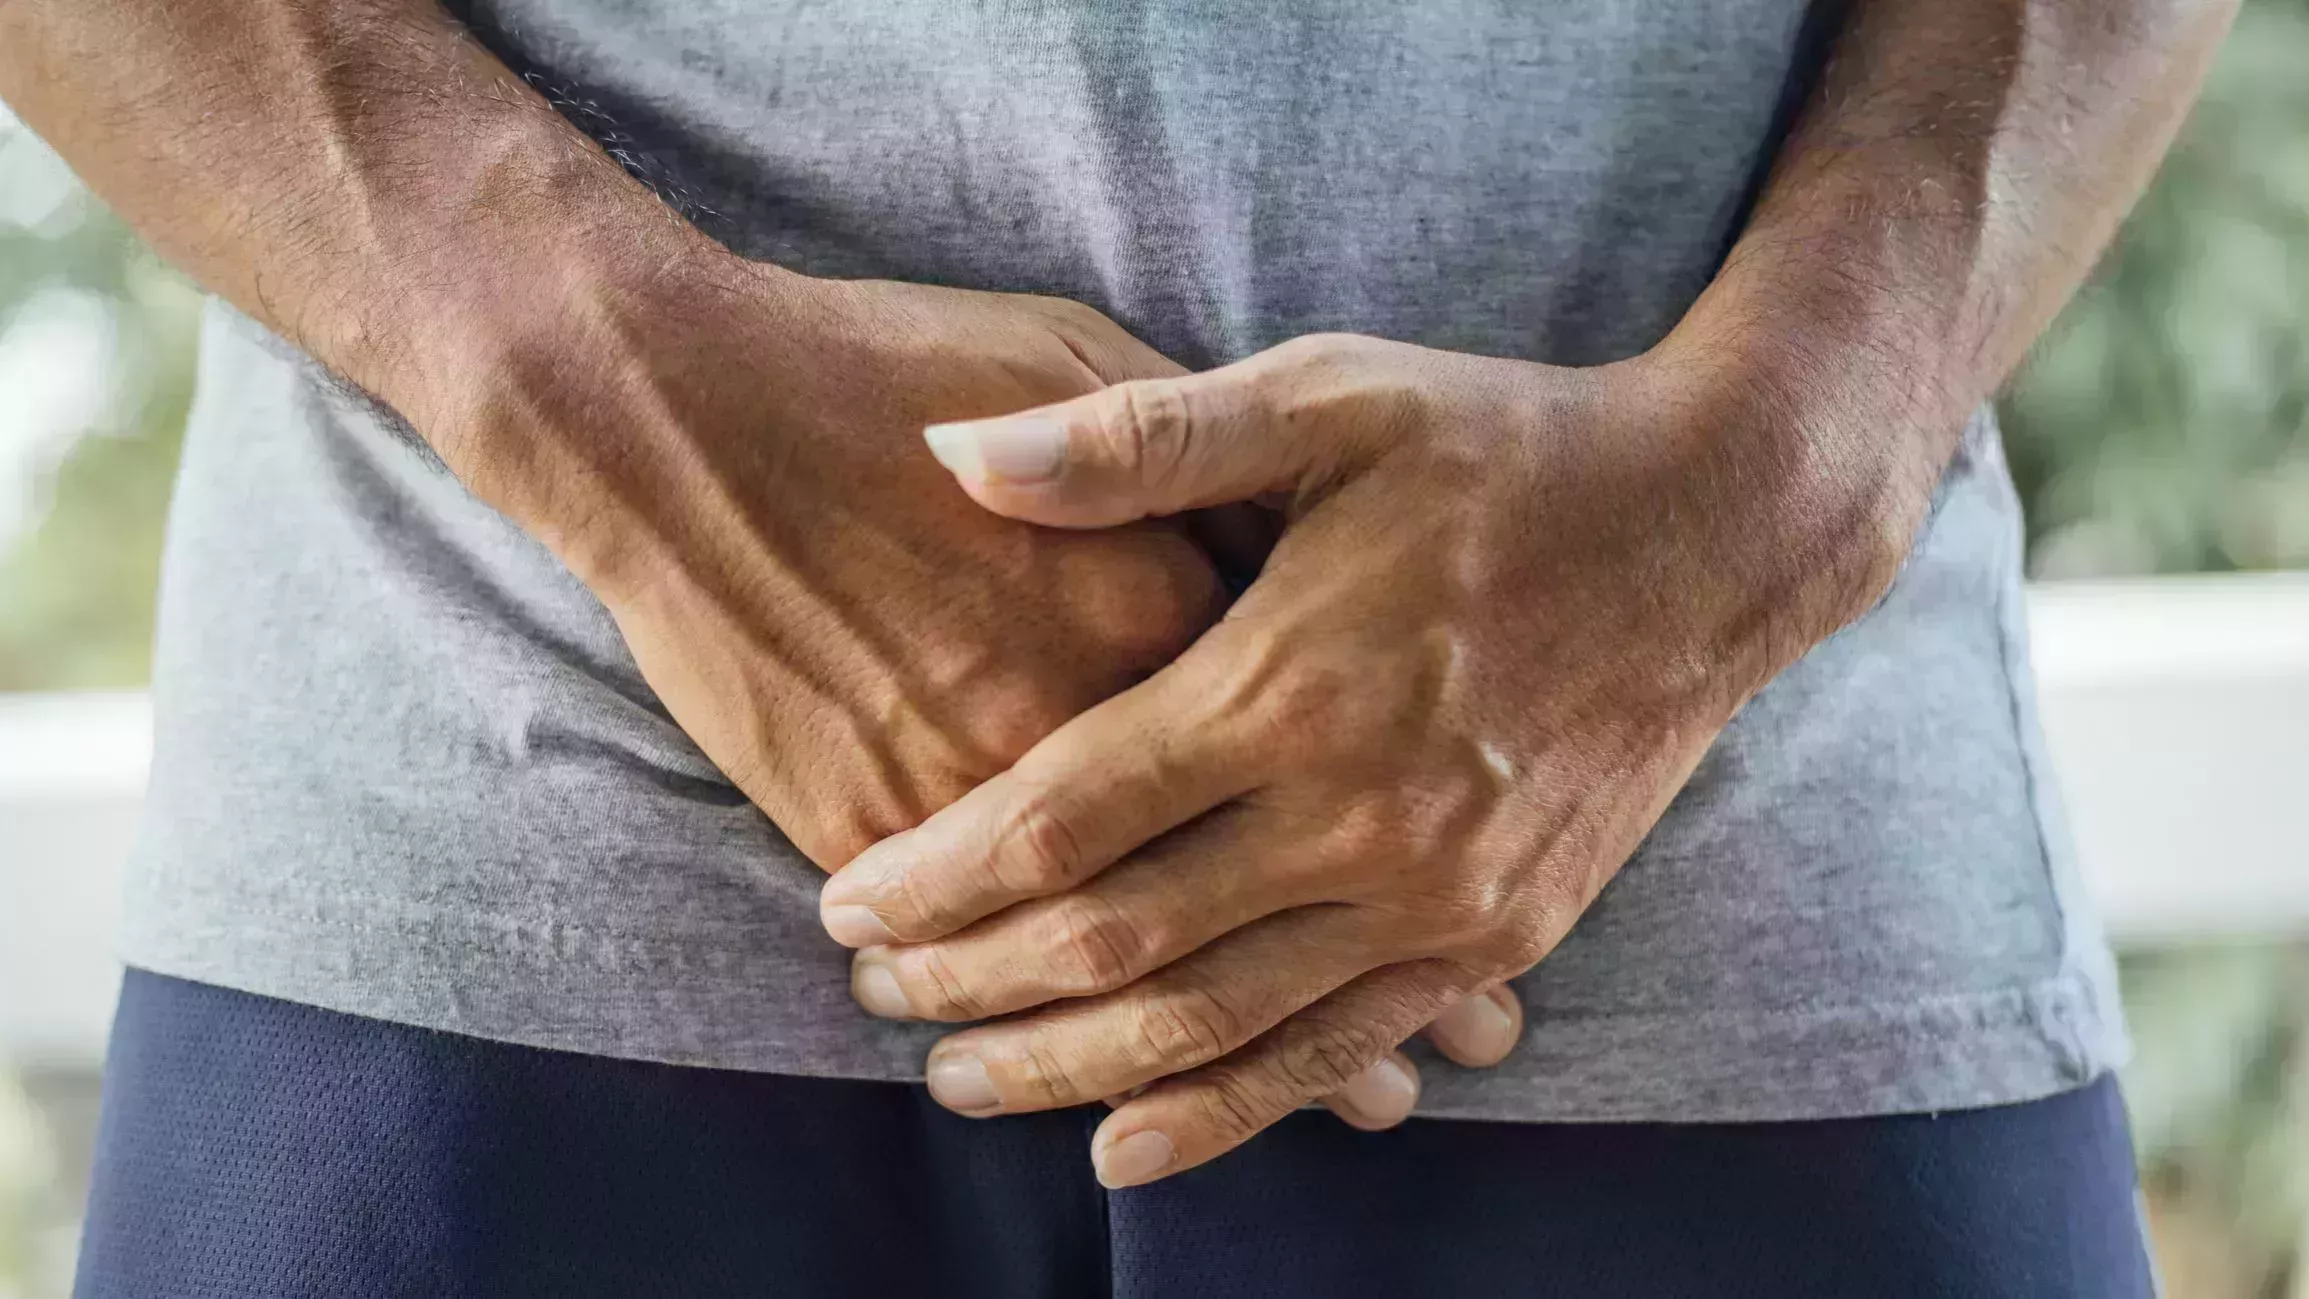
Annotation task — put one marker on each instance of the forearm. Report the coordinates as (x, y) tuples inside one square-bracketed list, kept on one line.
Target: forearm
[(361, 176), (1960, 167)]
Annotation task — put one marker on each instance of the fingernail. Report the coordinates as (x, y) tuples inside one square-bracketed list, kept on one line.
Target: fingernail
[(856, 926), (1028, 450), (1136, 1158), (876, 988), (1477, 1027), (1383, 1093), (958, 1081)]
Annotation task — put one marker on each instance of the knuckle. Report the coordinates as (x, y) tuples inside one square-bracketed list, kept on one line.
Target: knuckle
[(1045, 1069), (1460, 911), (913, 912), (1469, 934), (1231, 1108), (1459, 923), (1520, 928), (1149, 432), (1185, 1027), (1517, 948), (944, 995), (1322, 1056), (1046, 855), (1100, 947)]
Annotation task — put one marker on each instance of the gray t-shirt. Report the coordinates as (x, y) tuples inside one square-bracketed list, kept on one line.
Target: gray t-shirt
[(406, 769)]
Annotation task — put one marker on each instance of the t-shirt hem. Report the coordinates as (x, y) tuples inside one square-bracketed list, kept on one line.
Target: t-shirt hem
[(1923, 1054)]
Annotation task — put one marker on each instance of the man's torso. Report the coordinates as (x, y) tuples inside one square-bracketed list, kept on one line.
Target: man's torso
[(406, 769)]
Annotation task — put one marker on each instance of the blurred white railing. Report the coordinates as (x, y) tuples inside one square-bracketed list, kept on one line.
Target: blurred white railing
[(2177, 710), (71, 777)]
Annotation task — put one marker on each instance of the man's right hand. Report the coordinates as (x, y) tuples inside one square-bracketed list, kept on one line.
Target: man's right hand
[(730, 456)]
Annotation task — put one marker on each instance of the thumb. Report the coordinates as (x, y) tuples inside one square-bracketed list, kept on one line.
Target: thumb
[(1144, 448)]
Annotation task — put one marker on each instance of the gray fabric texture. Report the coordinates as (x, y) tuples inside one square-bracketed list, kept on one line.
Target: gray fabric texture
[(406, 769)]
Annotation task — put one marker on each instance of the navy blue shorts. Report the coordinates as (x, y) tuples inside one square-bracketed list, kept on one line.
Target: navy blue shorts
[(256, 1149)]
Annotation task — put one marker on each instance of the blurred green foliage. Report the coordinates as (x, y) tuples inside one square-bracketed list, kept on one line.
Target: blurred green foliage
[(2163, 425), (76, 290), (2219, 1096)]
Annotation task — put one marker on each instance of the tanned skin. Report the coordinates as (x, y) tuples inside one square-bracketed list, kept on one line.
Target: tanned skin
[(728, 454), (1513, 606)]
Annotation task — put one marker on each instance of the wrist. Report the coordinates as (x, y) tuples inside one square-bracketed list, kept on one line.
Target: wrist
[(1820, 457), (1846, 321), (525, 325), (574, 404)]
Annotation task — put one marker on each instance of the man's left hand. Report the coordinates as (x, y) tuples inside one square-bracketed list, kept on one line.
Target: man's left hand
[(1512, 606)]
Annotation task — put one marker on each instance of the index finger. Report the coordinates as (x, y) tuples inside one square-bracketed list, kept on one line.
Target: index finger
[(1142, 763)]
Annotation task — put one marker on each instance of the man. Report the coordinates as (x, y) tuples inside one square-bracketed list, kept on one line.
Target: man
[(1613, 376)]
